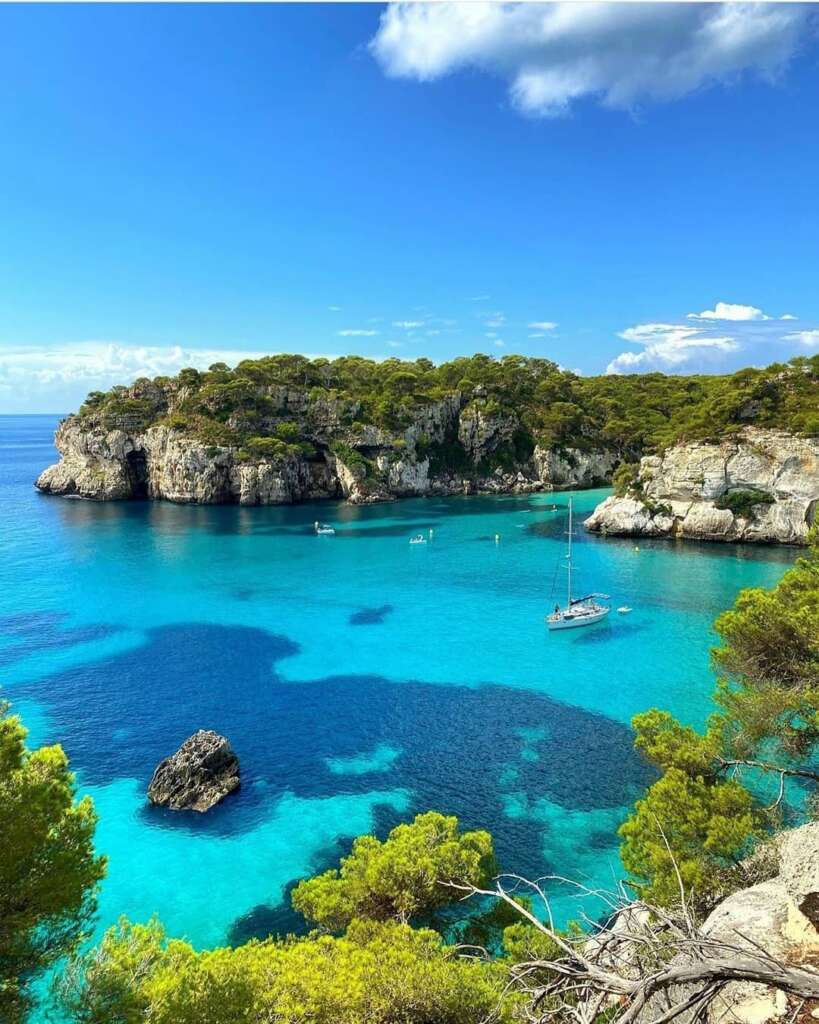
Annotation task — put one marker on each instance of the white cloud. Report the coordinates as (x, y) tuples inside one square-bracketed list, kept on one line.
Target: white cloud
[(668, 347), (499, 343), (808, 338), (554, 54), (57, 378), (788, 316), (408, 325), (496, 319), (543, 325), (356, 332), (395, 344), (730, 311), (479, 298), (538, 335), (334, 309)]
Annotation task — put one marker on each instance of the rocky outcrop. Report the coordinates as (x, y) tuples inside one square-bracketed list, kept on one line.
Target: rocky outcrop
[(573, 467), (770, 916), (201, 773), (760, 486), (447, 448)]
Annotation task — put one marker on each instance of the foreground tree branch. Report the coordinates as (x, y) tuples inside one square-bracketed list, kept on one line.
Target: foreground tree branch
[(646, 963)]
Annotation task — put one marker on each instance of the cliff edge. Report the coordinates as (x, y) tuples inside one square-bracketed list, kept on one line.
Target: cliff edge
[(306, 449)]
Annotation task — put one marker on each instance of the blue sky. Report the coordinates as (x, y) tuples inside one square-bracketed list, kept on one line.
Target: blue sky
[(185, 183)]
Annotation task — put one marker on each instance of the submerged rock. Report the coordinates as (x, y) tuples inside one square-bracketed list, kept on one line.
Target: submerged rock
[(200, 774)]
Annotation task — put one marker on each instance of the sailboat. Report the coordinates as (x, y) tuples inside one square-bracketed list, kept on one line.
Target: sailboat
[(579, 611)]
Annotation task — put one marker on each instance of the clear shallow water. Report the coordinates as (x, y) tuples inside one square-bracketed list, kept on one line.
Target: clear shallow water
[(360, 679)]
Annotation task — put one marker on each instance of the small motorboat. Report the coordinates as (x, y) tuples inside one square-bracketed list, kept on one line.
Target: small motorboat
[(623, 610), (322, 530), (419, 538)]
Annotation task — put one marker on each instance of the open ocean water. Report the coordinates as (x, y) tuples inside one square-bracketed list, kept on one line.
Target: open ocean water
[(359, 679)]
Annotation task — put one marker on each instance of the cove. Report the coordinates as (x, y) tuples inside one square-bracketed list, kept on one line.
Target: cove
[(360, 679)]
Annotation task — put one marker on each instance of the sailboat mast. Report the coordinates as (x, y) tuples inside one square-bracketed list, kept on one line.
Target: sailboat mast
[(569, 598)]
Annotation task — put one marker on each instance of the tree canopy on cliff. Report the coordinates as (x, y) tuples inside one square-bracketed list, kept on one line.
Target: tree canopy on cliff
[(551, 406), (48, 871)]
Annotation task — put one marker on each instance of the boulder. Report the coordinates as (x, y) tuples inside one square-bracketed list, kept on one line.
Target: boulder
[(778, 915), (200, 774)]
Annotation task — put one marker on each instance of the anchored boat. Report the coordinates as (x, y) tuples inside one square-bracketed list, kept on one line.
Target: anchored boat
[(579, 611)]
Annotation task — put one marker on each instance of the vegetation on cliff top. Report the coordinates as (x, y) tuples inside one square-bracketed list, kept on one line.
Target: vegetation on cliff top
[(280, 404)]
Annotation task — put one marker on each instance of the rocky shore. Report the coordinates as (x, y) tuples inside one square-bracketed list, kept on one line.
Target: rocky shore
[(758, 486), (449, 448)]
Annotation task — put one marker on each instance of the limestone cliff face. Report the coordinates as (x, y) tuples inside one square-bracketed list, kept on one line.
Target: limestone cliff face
[(760, 486), (448, 448), (572, 467)]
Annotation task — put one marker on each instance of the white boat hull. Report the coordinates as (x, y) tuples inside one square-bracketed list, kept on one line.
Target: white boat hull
[(572, 621)]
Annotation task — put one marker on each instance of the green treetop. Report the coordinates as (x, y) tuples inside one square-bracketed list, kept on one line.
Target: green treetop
[(631, 415), (398, 879), (699, 819), (381, 973), (48, 871)]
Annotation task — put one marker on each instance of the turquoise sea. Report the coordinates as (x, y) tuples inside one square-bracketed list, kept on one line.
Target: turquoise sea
[(360, 679)]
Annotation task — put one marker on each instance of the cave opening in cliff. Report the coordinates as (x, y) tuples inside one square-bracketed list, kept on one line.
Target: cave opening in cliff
[(138, 472)]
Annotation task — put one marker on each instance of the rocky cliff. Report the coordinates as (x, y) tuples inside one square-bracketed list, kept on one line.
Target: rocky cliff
[(760, 485), (449, 446)]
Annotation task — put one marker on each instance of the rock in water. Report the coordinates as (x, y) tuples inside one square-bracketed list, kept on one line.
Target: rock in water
[(200, 774)]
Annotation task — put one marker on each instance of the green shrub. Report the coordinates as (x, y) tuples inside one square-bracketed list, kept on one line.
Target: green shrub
[(624, 478), (742, 503)]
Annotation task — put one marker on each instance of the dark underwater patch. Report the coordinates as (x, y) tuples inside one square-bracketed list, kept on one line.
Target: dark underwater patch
[(264, 920), (44, 631), (455, 740), (370, 616)]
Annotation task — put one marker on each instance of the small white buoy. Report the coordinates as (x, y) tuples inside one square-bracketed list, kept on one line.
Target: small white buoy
[(497, 538), (431, 531)]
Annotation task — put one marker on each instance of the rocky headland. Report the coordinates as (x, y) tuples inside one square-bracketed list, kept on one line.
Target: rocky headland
[(455, 445), (285, 429), (756, 486), (201, 773)]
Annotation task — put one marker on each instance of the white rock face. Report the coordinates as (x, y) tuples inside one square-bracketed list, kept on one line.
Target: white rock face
[(573, 467), (680, 491), (481, 433), (164, 463)]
